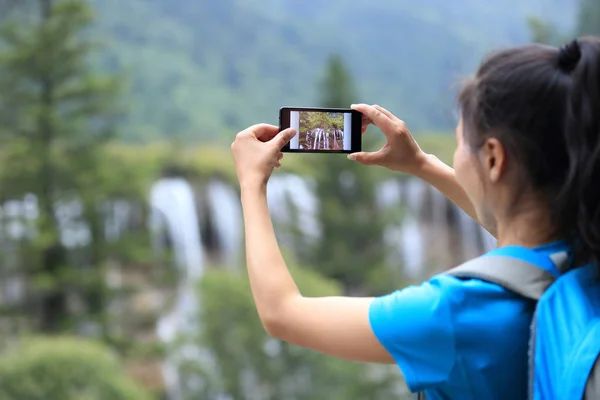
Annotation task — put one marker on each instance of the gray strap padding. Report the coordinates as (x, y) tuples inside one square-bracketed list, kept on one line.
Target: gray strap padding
[(592, 388), (525, 279), (511, 273), (561, 261)]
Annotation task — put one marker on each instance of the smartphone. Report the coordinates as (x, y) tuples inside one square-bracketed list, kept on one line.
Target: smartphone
[(322, 130)]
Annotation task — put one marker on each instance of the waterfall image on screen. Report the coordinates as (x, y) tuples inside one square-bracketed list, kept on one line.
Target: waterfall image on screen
[(327, 131)]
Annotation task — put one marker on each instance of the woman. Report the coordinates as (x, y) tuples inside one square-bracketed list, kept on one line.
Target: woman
[(526, 166)]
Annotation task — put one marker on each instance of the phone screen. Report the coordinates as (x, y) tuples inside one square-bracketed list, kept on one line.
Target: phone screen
[(322, 130)]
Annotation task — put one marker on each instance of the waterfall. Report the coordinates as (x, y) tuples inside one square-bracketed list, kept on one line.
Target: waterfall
[(429, 220), (224, 206), (323, 138), (411, 234), (174, 209), (428, 236), (117, 214), (407, 237), (318, 137), (285, 190)]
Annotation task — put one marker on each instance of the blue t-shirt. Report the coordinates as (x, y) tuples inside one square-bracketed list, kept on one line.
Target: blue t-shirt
[(458, 338)]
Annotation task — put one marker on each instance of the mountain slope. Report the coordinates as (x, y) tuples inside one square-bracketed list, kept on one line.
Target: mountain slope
[(203, 68)]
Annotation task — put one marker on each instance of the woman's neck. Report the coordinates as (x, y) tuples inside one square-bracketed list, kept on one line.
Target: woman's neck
[(531, 227)]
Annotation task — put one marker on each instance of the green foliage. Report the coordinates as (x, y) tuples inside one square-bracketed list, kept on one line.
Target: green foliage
[(588, 23), (329, 123), (56, 115), (230, 329), (351, 247), (589, 18), (442, 145), (337, 77), (64, 368), (209, 69), (544, 32), (59, 117)]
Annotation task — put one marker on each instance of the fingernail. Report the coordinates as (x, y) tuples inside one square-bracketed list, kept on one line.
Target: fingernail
[(351, 157)]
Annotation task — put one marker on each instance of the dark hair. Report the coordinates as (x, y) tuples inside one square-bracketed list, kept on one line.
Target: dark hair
[(543, 104)]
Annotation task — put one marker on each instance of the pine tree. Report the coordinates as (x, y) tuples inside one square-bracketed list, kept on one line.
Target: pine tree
[(55, 116), (351, 249), (588, 23), (589, 18)]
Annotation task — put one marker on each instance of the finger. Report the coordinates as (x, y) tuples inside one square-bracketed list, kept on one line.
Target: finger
[(379, 118), (385, 112), (280, 156), (365, 157), (283, 138), (262, 132), (366, 121), (277, 164), (364, 127)]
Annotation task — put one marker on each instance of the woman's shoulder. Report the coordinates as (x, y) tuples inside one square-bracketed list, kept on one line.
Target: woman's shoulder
[(447, 297)]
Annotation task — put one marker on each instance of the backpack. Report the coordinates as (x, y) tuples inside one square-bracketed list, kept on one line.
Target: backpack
[(564, 345)]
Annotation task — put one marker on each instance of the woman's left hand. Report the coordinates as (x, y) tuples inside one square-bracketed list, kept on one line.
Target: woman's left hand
[(256, 151)]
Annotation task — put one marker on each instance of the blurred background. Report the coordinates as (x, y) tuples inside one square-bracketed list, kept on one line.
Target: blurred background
[(121, 260)]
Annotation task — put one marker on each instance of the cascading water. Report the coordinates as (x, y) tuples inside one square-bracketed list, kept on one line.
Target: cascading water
[(174, 209), (291, 200), (411, 237), (405, 238), (226, 214), (317, 135), (326, 139), (428, 222), (289, 194)]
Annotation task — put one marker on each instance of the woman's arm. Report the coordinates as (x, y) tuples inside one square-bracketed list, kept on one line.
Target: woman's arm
[(402, 153), (338, 326)]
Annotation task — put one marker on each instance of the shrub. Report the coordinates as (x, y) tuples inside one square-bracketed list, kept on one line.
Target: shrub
[(64, 368)]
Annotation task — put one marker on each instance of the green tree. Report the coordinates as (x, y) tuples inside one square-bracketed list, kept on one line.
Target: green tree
[(588, 23), (63, 368), (589, 18), (351, 248), (57, 116), (544, 32), (55, 113), (247, 364)]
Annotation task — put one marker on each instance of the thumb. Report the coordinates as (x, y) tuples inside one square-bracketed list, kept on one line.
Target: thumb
[(365, 158), (283, 138)]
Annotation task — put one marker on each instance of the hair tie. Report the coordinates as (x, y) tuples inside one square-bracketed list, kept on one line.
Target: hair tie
[(569, 56)]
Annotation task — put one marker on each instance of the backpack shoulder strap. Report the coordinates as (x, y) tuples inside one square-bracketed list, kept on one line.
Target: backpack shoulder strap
[(514, 274), (592, 388)]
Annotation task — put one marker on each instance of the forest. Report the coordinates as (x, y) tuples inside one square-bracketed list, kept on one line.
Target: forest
[(119, 206), (321, 131), (207, 69)]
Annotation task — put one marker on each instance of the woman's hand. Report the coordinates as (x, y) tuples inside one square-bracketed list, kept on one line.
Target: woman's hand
[(256, 151), (400, 153)]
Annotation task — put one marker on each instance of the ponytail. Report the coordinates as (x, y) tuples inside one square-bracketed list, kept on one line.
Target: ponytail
[(577, 205), (543, 105)]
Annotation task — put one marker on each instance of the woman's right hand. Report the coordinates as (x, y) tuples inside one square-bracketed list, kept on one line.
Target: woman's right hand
[(400, 152)]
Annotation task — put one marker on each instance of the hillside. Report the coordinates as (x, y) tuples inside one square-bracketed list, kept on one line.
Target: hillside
[(202, 69)]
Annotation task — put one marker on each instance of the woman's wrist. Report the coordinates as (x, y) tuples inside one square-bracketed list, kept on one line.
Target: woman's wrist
[(423, 164), (253, 188)]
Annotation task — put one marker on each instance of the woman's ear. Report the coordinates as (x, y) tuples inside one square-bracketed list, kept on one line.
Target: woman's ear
[(493, 159)]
